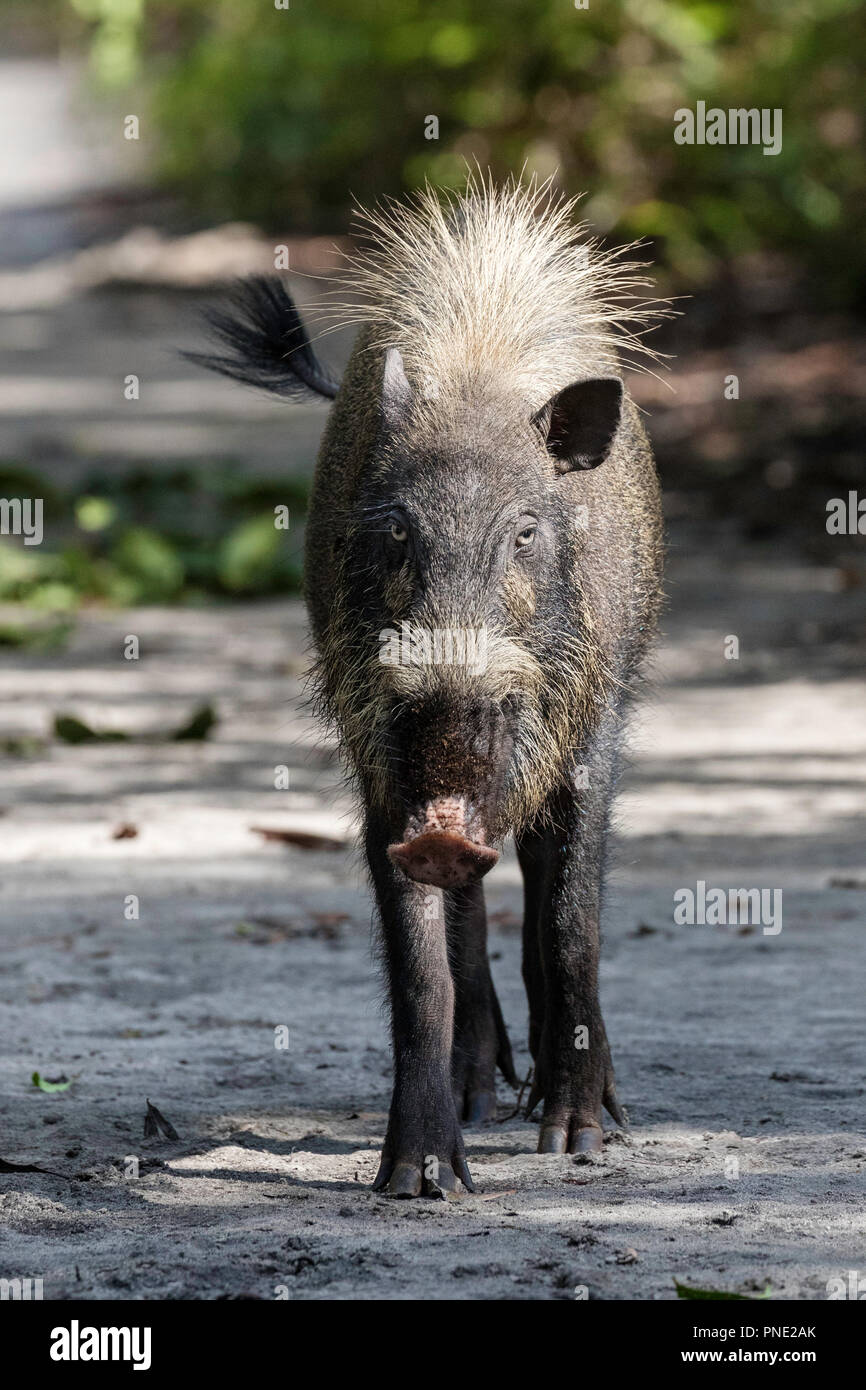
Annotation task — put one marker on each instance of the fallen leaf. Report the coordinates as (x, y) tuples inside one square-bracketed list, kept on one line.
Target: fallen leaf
[(155, 1122), (124, 831), (198, 726), (46, 1083), (71, 730), (301, 839), (684, 1291), (26, 1168)]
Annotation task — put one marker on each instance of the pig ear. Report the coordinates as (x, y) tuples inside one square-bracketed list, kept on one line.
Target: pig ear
[(396, 391), (579, 422)]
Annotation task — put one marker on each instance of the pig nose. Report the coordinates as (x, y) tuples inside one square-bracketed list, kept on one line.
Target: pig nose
[(443, 859)]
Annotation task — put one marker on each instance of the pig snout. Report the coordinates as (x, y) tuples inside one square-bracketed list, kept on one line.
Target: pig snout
[(442, 848), (443, 859)]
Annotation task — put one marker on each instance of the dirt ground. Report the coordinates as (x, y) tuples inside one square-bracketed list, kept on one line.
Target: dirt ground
[(739, 1053)]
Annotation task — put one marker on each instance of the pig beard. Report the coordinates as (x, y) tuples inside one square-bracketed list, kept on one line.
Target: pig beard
[(557, 675)]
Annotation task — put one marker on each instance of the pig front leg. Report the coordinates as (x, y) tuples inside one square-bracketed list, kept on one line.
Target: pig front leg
[(423, 1151), (562, 866)]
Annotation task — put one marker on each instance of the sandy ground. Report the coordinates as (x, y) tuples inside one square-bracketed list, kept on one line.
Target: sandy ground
[(739, 1053)]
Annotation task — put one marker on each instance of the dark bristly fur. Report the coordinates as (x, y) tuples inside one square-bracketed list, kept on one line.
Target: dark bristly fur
[(267, 343), (484, 390)]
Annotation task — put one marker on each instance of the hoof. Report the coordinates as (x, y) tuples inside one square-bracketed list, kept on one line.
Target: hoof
[(555, 1139), (586, 1141), (552, 1140), (406, 1180)]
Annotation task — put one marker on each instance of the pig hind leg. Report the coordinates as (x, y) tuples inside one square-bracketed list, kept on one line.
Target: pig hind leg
[(480, 1042), (532, 856), (562, 861)]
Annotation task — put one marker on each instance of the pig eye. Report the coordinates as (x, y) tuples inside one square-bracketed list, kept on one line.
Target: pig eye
[(398, 532), (525, 537)]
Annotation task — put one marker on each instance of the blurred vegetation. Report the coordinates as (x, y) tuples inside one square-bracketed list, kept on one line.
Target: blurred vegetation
[(162, 535), (280, 115)]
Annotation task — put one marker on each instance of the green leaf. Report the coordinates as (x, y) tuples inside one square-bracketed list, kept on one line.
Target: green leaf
[(72, 730), (41, 638), (60, 1083), (69, 729), (22, 747), (53, 596), (454, 44), (94, 513), (151, 562), (685, 1291), (19, 568), (248, 555), (198, 726)]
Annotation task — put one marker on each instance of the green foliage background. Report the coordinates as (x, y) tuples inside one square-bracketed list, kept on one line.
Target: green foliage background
[(281, 115), (183, 533)]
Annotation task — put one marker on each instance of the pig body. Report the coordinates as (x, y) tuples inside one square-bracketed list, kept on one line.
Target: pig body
[(483, 577)]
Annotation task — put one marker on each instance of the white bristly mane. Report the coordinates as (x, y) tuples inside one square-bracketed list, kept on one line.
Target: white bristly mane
[(496, 285)]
